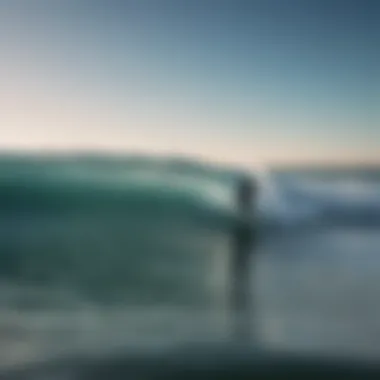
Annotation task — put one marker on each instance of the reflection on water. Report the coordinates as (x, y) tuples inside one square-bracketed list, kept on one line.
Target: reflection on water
[(319, 292), (313, 293)]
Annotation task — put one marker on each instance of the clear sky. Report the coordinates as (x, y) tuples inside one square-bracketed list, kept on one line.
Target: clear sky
[(239, 81)]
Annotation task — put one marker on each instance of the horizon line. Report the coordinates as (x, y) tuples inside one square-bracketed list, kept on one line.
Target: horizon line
[(120, 153)]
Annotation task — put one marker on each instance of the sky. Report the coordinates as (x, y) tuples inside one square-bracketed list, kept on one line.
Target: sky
[(254, 81)]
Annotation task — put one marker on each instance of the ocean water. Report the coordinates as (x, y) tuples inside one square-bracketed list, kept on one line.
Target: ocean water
[(100, 253)]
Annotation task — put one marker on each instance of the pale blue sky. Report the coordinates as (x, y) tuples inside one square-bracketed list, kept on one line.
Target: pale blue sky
[(237, 81)]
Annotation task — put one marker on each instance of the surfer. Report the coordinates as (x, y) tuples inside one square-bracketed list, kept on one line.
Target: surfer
[(243, 240)]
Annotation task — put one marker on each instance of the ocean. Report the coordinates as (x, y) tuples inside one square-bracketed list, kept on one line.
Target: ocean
[(100, 253)]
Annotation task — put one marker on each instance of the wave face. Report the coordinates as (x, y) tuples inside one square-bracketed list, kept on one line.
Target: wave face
[(146, 230), (136, 230)]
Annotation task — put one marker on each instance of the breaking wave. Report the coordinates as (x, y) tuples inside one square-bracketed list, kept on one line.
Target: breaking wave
[(133, 229)]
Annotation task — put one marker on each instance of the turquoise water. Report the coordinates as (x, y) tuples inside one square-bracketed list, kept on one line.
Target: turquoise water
[(99, 252), (113, 231)]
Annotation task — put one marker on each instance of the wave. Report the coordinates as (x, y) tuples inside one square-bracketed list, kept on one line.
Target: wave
[(146, 185), (145, 229), (324, 202), (113, 230)]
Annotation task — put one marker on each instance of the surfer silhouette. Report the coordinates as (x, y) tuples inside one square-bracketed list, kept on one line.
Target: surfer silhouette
[(243, 241)]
